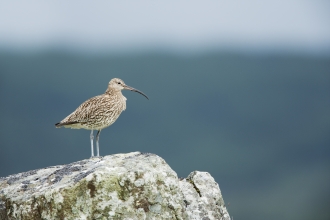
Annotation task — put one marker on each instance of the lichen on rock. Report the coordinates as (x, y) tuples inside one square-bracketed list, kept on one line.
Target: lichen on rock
[(121, 186)]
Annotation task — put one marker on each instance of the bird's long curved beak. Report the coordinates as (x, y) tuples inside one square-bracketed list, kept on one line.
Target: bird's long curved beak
[(135, 90)]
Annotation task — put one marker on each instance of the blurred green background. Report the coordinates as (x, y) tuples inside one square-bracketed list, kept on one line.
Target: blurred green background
[(257, 117)]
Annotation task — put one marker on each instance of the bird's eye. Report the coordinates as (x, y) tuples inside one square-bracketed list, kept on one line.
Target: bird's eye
[(118, 82)]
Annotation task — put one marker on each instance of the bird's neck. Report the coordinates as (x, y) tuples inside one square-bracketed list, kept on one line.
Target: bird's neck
[(111, 91), (115, 93)]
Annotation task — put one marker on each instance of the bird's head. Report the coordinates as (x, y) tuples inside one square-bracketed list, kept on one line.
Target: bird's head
[(118, 85)]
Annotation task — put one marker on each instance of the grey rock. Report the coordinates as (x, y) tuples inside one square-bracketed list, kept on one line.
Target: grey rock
[(202, 197), (121, 186)]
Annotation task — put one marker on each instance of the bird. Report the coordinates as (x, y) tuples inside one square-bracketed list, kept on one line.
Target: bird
[(99, 112)]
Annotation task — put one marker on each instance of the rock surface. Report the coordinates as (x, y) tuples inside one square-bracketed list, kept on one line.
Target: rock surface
[(121, 186)]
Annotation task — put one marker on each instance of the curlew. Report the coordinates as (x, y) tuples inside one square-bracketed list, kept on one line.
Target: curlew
[(100, 111)]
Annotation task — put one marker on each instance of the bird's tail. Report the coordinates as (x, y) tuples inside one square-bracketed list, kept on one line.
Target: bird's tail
[(59, 124)]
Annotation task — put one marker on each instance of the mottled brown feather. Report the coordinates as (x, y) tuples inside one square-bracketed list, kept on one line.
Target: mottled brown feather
[(96, 113)]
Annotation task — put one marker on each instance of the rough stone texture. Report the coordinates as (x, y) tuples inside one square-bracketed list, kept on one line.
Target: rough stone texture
[(121, 186)]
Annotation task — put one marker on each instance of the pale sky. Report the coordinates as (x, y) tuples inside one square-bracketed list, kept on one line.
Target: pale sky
[(174, 25)]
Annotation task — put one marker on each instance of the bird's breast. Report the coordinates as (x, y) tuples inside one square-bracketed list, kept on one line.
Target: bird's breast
[(124, 103)]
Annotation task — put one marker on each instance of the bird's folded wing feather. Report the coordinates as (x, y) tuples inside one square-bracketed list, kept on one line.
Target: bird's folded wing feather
[(88, 109)]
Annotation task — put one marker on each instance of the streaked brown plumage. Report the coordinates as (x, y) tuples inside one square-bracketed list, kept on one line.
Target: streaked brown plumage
[(100, 111)]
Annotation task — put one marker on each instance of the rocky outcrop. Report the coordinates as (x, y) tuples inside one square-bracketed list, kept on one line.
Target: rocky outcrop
[(122, 186)]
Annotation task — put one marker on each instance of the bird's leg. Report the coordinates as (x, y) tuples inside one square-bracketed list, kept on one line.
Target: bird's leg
[(92, 147), (97, 143)]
